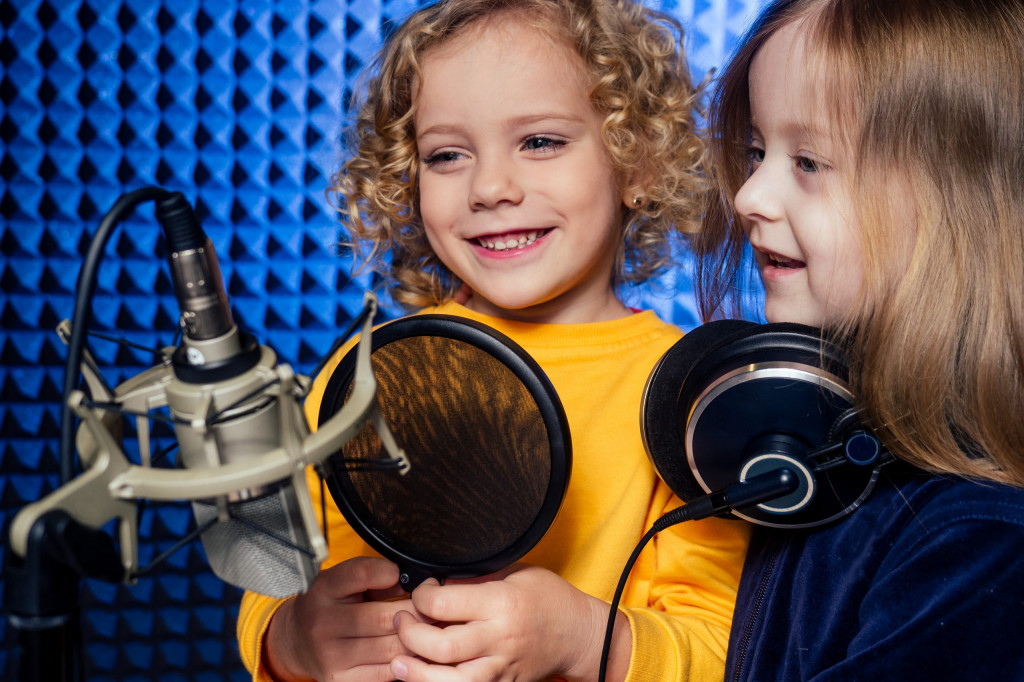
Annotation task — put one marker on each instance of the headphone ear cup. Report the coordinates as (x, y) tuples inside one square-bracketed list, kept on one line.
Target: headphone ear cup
[(787, 342), (735, 399), (767, 398), (659, 415)]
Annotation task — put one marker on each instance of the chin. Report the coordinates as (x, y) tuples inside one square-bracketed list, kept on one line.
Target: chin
[(789, 313)]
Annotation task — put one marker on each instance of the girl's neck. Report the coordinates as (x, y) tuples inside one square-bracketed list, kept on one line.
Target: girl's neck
[(556, 311)]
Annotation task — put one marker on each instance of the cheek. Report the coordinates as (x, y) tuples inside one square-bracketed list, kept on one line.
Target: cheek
[(432, 220), (435, 204), (840, 270)]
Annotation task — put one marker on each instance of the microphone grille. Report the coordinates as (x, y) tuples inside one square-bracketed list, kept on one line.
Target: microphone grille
[(263, 547)]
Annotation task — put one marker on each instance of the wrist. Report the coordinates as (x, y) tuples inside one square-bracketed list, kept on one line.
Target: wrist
[(621, 650), (588, 665), (277, 657)]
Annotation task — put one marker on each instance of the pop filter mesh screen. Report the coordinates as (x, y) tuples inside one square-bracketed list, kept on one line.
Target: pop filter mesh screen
[(478, 448)]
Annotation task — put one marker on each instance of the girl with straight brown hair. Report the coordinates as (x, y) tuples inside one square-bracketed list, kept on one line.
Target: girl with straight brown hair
[(869, 152)]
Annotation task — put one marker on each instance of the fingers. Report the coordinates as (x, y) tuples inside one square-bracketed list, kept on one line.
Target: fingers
[(340, 602), (416, 670), (441, 644), (366, 653), (333, 641), (525, 624), (372, 619), (348, 580), (336, 630), (453, 603)]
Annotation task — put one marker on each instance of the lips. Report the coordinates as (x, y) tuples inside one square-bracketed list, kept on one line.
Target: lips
[(775, 260), (510, 241)]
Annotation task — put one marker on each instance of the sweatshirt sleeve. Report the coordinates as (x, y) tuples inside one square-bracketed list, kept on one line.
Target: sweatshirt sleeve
[(681, 599), (254, 616)]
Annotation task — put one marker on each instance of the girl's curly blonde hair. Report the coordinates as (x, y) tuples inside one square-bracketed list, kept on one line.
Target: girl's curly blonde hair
[(640, 83)]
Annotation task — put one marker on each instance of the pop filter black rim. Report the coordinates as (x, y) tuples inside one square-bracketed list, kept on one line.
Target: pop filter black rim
[(415, 563)]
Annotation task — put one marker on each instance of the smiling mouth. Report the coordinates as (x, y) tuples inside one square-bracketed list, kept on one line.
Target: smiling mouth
[(778, 261), (510, 241)]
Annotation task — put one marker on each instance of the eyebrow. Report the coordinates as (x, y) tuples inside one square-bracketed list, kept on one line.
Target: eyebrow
[(519, 121), (798, 130)]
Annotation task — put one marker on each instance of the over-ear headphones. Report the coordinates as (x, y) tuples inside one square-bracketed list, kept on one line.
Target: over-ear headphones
[(732, 400)]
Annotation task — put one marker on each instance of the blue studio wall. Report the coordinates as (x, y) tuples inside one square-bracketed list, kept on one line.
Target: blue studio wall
[(238, 105)]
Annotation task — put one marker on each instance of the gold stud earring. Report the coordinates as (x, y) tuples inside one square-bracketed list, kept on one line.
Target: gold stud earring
[(638, 201)]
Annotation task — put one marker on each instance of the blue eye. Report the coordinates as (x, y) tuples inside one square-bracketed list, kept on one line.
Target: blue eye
[(540, 142), (756, 154), (441, 158), (806, 165)]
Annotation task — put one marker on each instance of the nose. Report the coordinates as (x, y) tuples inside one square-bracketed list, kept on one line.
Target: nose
[(759, 197), (496, 181)]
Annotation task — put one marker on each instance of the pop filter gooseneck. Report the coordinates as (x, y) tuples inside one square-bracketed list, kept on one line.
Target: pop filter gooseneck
[(487, 443)]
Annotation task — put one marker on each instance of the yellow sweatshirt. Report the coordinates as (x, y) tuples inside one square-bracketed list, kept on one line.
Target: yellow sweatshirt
[(681, 592)]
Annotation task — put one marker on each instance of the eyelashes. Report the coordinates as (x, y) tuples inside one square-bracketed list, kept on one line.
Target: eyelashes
[(803, 163), (807, 165), (534, 145), (543, 142), (441, 158)]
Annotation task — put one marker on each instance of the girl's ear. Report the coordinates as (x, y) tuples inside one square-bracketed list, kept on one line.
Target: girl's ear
[(634, 194)]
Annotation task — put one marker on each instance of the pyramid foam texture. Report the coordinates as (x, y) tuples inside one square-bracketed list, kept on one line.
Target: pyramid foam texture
[(238, 106)]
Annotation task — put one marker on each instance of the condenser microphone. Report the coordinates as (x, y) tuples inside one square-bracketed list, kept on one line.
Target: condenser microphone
[(243, 442), (256, 537), (244, 449)]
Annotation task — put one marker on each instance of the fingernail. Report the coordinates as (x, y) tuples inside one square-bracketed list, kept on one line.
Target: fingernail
[(394, 621), (399, 670)]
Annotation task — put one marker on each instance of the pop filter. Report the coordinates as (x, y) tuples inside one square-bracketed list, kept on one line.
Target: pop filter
[(486, 439), (732, 400)]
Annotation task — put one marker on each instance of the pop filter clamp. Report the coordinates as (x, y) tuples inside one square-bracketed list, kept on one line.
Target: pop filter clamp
[(59, 539)]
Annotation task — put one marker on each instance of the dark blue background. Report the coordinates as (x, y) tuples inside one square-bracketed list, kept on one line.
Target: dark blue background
[(238, 105)]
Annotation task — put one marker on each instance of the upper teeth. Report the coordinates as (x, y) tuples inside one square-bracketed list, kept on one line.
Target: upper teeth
[(779, 259), (519, 242)]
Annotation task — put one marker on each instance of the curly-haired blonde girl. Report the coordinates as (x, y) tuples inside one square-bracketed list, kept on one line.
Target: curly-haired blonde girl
[(530, 156), (639, 83)]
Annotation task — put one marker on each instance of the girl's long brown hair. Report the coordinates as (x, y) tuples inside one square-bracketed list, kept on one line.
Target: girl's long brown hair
[(929, 94)]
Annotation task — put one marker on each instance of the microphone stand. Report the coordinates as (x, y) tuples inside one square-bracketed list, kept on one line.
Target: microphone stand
[(41, 590)]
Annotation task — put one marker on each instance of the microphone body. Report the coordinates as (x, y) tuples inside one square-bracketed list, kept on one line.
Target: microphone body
[(257, 537)]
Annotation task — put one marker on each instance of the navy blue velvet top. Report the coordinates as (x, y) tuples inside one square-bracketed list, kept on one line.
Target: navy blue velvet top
[(924, 582)]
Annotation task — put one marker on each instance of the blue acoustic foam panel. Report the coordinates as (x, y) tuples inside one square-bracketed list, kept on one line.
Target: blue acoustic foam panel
[(238, 105)]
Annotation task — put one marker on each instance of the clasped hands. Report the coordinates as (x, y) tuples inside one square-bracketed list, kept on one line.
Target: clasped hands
[(522, 623)]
